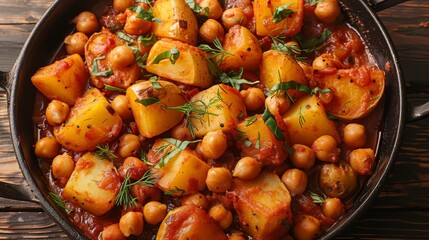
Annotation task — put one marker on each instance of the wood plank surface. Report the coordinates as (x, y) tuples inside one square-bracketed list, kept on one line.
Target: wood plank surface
[(401, 211)]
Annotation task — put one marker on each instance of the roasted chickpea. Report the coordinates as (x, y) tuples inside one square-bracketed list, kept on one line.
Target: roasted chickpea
[(327, 11), (333, 208), (322, 62), (215, 10), (62, 166), (214, 144), (86, 22), (325, 148), (361, 160), (154, 212), (122, 5), (47, 147), (134, 167), (254, 98), (210, 30), (75, 43), (131, 223), (197, 199), (232, 17), (112, 232), (302, 156), (145, 194), (221, 215), (236, 237), (354, 135), (306, 227), (277, 104), (135, 25), (218, 179), (129, 145), (338, 180), (181, 132), (121, 56), (247, 168), (57, 112), (122, 107), (295, 181)]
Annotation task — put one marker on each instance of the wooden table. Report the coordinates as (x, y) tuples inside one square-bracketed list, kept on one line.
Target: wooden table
[(401, 209)]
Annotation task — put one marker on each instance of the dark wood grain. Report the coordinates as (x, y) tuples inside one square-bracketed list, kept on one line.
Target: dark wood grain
[(401, 211)]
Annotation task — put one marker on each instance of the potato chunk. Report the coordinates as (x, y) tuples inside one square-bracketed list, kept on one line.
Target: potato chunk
[(224, 108), (180, 172), (178, 21), (190, 68), (288, 27), (155, 119), (245, 48), (91, 121), (306, 120), (263, 206), (277, 67), (63, 80), (189, 222), (255, 139), (93, 184)]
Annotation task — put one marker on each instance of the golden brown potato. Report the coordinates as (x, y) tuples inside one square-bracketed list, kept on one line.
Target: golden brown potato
[(154, 119), (263, 206), (91, 121), (356, 91), (93, 184), (178, 21), (63, 80), (306, 121), (189, 222), (338, 180), (289, 26), (245, 49), (190, 68)]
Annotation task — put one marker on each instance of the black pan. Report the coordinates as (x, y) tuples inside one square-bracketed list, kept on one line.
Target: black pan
[(49, 33)]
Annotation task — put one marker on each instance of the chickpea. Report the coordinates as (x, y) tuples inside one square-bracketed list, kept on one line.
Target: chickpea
[(354, 135), (295, 181), (236, 237), (62, 166), (131, 223), (277, 104), (197, 199), (154, 212), (75, 43), (247, 168), (325, 148), (361, 160), (181, 132), (129, 145), (218, 179), (327, 11), (221, 215), (333, 208), (214, 144), (112, 232), (254, 98), (135, 25), (57, 112), (122, 107), (232, 17), (133, 166), (302, 156), (322, 62), (47, 147), (122, 5), (86, 22), (215, 10), (210, 30), (305, 227), (121, 56), (338, 180)]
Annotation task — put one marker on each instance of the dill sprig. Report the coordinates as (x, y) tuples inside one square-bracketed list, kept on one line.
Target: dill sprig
[(124, 197), (316, 198), (103, 151), (57, 199), (170, 152), (218, 52)]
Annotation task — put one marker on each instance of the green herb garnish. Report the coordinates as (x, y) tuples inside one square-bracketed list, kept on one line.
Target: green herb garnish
[(251, 120), (57, 199), (282, 12), (196, 8), (171, 55), (175, 191), (125, 37), (104, 152), (235, 79), (316, 198), (271, 122), (148, 40), (95, 70), (113, 88), (180, 146), (312, 44), (124, 197), (145, 14), (149, 101)]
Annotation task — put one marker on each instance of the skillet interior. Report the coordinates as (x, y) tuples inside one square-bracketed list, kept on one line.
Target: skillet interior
[(54, 26)]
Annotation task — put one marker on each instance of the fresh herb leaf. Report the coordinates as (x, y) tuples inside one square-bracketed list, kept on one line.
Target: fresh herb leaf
[(115, 27), (143, 157), (314, 2), (145, 14), (104, 152), (180, 146), (271, 122), (284, 86), (217, 53), (282, 12), (57, 199), (242, 136), (288, 149), (124, 197), (112, 88), (373, 98), (155, 84), (148, 40), (175, 191), (139, 59), (332, 117), (125, 37), (301, 118), (258, 141), (235, 79), (149, 101), (320, 90), (316, 198), (197, 9), (171, 55), (312, 44), (95, 70), (251, 120)]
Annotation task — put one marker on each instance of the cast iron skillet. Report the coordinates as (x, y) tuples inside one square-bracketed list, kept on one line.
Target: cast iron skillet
[(49, 33)]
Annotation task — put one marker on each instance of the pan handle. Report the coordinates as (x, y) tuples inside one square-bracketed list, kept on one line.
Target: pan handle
[(379, 5), (21, 192)]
